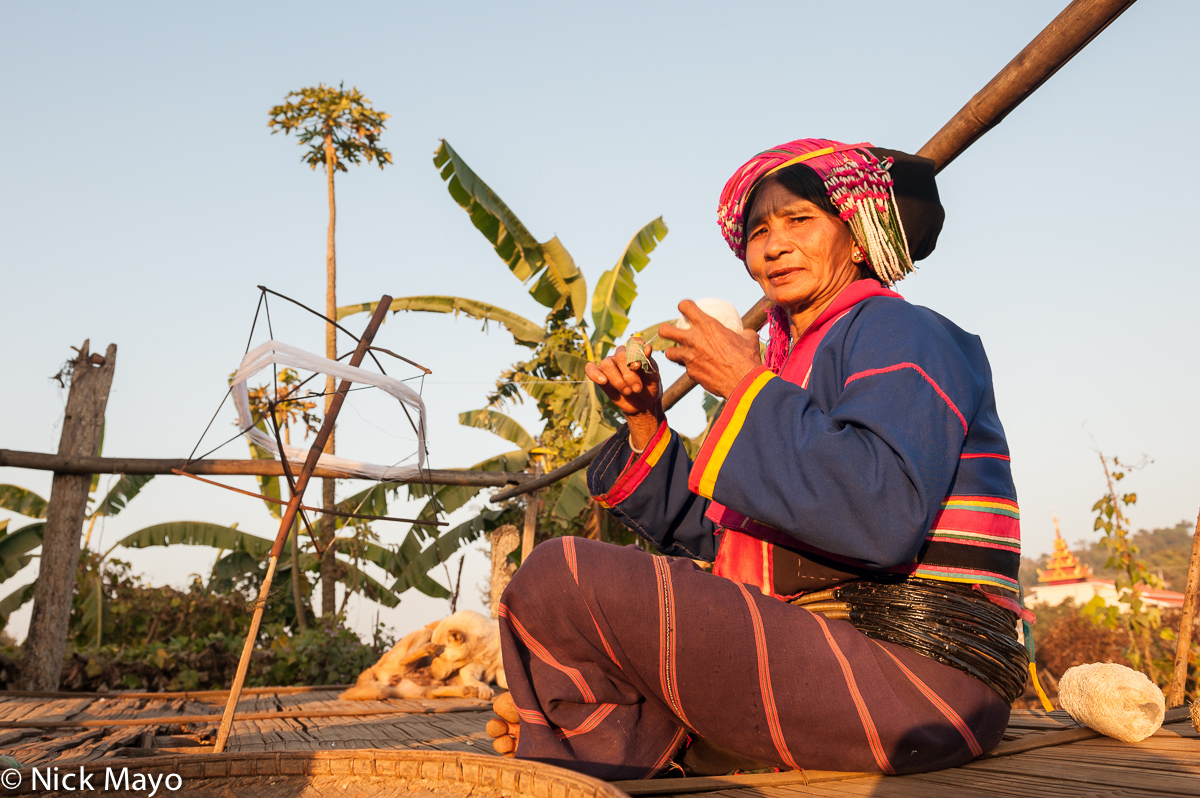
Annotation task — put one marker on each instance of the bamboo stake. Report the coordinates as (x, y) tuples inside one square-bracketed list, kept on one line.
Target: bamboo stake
[(289, 516), (63, 464), (1050, 50), (155, 720), (1191, 604)]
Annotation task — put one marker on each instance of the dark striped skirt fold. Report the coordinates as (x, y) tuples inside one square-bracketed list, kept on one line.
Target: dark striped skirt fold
[(613, 656)]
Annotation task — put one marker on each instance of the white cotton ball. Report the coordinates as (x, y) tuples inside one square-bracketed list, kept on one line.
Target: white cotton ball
[(1113, 700), (720, 310)]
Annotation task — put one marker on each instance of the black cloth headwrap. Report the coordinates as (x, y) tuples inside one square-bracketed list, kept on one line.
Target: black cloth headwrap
[(921, 210)]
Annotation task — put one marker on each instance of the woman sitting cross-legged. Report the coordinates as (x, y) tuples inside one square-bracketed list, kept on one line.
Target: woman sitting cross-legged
[(854, 495)]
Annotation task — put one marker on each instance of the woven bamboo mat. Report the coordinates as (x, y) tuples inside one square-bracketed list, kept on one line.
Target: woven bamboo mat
[(1042, 753)]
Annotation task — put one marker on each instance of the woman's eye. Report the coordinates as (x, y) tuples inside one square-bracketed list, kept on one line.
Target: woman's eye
[(801, 218), (758, 232)]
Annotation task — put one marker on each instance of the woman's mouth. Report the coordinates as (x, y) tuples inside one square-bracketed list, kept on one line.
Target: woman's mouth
[(782, 275)]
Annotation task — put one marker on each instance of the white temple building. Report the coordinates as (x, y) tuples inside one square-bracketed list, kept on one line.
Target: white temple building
[(1067, 578)]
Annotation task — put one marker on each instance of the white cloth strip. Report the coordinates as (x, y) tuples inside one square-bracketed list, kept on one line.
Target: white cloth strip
[(284, 355)]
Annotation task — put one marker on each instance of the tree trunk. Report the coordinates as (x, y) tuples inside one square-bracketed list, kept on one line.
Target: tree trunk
[(297, 593), (328, 486), (82, 423), (505, 541)]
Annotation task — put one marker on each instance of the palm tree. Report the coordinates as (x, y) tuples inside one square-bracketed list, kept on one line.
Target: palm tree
[(338, 127)]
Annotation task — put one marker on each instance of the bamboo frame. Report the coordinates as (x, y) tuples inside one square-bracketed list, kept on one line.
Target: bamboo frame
[(289, 516)]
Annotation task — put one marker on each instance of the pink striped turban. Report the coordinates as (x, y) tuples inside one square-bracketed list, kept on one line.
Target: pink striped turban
[(859, 184)]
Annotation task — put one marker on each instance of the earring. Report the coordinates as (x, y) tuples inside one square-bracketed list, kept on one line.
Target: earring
[(857, 257)]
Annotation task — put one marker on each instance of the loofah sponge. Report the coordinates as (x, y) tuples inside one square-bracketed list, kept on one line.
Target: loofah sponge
[(720, 309), (1112, 699)]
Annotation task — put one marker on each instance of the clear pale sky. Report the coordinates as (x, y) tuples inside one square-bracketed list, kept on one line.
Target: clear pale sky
[(144, 198)]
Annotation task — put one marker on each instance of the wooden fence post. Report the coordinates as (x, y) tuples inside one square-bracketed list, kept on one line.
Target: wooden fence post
[(504, 542), (91, 377), (529, 533), (1191, 605)]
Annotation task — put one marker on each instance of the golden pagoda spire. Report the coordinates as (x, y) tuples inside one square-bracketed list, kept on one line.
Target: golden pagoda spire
[(1064, 566)]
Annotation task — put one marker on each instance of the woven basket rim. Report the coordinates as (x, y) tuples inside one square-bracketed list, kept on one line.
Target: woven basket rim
[(465, 768)]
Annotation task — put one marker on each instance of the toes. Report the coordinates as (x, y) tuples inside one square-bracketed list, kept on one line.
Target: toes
[(496, 728), (505, 707), (504, 744)]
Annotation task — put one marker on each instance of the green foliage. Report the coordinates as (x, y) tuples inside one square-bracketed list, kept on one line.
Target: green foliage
[(574, 414), (1132, 575), (523, 330), (15, 547), (338, 126), (616, 290), (515, 245), (22, 501), (197, 533), (127, 487)]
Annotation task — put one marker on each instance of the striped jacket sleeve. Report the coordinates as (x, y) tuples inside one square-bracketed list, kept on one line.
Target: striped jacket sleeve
[(858, 463), (649, 493)]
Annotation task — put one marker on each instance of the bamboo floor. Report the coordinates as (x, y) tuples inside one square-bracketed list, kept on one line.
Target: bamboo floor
[(1042, 753)]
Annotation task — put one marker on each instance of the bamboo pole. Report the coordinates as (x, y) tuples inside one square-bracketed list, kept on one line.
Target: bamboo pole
[(289, 516), (1191, 605), (68, 464), (1066, 35)]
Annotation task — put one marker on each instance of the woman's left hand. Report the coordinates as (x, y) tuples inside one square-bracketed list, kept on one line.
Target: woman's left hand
[(714, 356)]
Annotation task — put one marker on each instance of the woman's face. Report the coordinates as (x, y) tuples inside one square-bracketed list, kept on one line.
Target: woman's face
[(798, 253)]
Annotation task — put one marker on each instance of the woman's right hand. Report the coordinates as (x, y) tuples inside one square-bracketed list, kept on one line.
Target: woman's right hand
[(636, 393)]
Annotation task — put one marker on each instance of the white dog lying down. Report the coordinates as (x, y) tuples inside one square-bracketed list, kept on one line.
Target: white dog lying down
[(456, 657)]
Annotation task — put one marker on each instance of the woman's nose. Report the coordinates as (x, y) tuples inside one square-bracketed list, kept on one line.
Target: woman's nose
[(777, 243)]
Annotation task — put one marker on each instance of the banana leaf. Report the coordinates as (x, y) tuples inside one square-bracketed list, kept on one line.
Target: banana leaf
[(24, 502), (197, 533), (268, 486), (15, 548), (128, 486), (574, 497), (562, 282), (372, 501), (418, 562), (617, 287), (356, 578), (498, 424), (15, 601), (231, 569), (524, 331), (515, 245), (448, 498)]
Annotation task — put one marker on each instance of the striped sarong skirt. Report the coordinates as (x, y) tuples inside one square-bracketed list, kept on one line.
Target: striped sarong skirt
[(614, 656)]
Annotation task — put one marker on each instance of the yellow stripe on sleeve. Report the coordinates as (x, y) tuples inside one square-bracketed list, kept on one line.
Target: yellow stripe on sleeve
[(709, 480), (659, 448)]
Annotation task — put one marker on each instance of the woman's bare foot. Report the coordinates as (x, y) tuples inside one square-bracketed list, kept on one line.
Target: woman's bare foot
[(505, 730)]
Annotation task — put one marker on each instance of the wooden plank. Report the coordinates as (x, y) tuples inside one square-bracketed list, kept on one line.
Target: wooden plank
[(712, 783), (1100, 775), (1136, 758)]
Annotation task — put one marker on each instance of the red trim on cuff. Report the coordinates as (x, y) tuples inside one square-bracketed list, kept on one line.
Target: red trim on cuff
[(637, 469)]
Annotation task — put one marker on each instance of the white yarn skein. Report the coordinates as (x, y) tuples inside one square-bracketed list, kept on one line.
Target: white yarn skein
[(1113, 700), (720, 310)]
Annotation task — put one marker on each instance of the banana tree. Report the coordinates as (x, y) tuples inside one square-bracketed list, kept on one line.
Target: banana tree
[(574, 414), (17, 546)]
